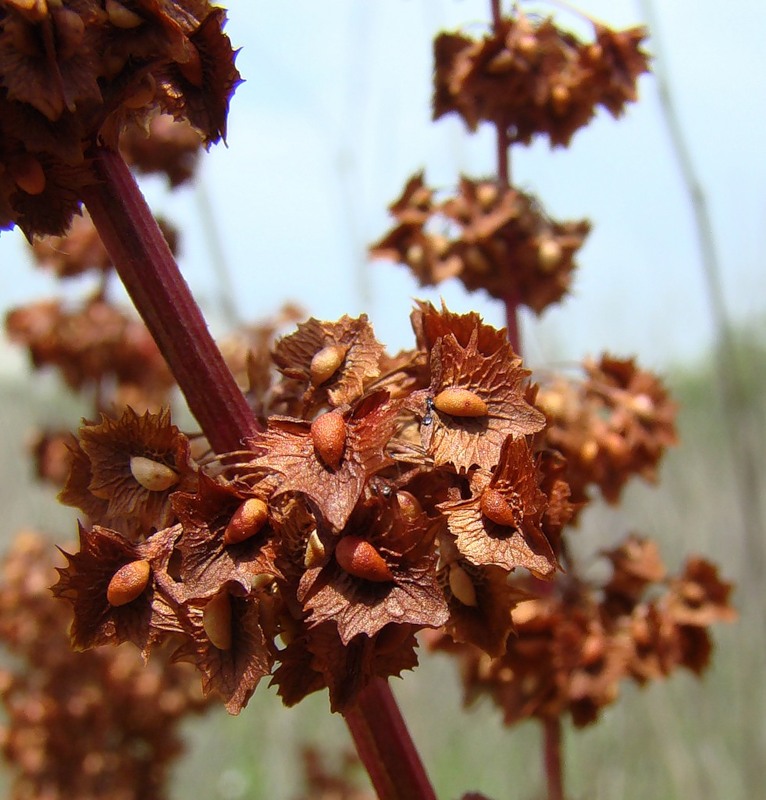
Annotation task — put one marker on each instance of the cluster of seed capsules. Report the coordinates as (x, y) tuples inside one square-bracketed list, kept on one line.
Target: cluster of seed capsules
[(99, 723), (74, 73), (385, 495), (487, 236)]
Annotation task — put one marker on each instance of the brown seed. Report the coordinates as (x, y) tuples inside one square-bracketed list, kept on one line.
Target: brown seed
[(461, 586), (496, 508), (28, 174), (152, 475), (328, 433), (128, 583), (360, 559), (246, 521), (409, 505), (216, 620), (325, 363), (460, 403), (191, 69)]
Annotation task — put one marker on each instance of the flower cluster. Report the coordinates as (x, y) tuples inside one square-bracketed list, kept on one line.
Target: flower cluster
[(575, 642), (81, 725), (388, 495), (614, 423), (490, 237), (531, 78), (74, 72)]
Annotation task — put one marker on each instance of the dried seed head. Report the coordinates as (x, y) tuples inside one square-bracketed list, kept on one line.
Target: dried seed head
[(120, 16), (360, 559), (409, 505), (152, 475), (460, 403), (246, 521), (216, 620), (315, 551), (461, 586), (496, 508), (325, 363), (128, 583), (328, 433)]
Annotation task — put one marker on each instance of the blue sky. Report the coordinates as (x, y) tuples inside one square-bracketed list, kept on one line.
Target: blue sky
[(334, 116)]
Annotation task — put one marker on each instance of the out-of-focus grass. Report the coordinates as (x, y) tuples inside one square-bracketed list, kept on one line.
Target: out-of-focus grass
[(680, 739)]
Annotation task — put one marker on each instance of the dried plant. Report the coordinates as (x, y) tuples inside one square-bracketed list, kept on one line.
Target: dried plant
[(340, 503)]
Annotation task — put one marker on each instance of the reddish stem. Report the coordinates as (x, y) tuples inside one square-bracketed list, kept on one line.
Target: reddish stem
[(161, 296), (385, 746), (151, 277), (552, 749)]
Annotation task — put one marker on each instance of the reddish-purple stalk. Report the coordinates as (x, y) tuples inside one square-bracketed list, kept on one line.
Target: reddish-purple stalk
[(151, 277), (552, 726), (553, 762)]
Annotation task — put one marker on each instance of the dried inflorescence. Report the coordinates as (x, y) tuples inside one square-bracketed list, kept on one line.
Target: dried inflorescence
[(574, 642), (94, 345), (81, 725), (75, 72), (614, 423), (488, 236), (531, 78), (353, 522)]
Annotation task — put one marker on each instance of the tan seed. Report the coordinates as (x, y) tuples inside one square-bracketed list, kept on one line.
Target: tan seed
[(325, 363), (152, 475), (328, 433), (461, 586), (246, 521), (460, 403), (496, 508), (216, 621), (315, 551), (128, 583), (122, 17), (360, 559), (549, 253)]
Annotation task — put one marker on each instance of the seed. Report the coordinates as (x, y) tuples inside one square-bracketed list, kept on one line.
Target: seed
[(315, 551), (496, 508), (246, 521), (549, 254), (152, 475), (325, 363), (128, 583), (70, 32), (261, 580), (122, 17), (360, 559), (28, 174), (142, 94), (460, 403), (216, 621), (461, 586), (409, 505), (191, 69), (500, 63), (328, 432)]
